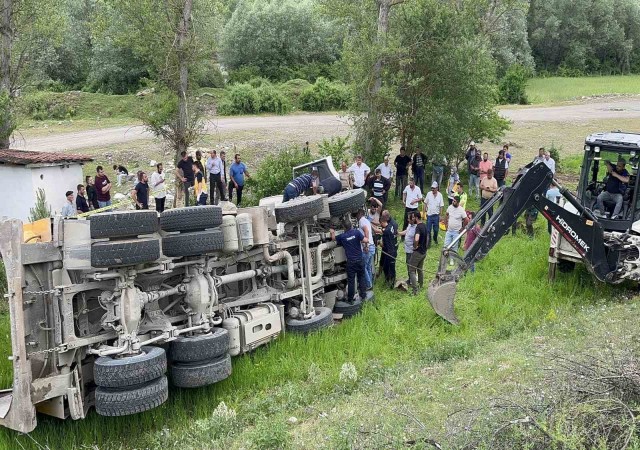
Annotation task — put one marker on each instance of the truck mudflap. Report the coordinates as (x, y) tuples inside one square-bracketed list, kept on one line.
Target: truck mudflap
[(16, 408)]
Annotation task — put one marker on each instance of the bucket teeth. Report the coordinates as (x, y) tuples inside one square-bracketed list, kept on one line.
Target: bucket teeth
[(441, 297)]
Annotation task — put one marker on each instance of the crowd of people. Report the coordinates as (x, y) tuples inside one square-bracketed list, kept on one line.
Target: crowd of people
[(425, 215)]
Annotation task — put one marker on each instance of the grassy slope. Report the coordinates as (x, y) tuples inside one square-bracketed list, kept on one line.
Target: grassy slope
[(494, 304), (558, 89)]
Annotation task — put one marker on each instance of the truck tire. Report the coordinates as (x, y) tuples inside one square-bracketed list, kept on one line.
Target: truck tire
[(123, 224), (348, 309), (125, 253), (186, 349), (113, 402), (299, 209), (322, 319), (193, 243), (112, 372), (345, 202), (191, 218), (200, 373)]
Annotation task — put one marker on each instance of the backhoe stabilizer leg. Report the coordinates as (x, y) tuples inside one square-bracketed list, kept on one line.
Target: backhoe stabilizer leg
[(441, 296)]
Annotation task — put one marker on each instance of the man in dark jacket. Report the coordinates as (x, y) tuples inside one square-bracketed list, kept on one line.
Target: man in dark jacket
[(92, 194), (351, 240), (389, 248)]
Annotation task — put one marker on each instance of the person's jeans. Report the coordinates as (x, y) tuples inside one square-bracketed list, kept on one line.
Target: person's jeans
[(436, 175), (104, 204), (474, 184), (484, 201), (401, 183), (609, 197), (419, 175), (186, 184), (416, 273), (355, 269), (389, 269), (238, 191), (500, 183), (160, 204), (450, 237), (367, 259), (433, 223), (215, 181), (289, 193)]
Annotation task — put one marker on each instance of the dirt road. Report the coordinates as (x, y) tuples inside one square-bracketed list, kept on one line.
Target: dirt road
[(599, 109)]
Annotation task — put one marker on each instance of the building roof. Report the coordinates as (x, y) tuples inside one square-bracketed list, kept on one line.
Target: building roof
[(24, 158)]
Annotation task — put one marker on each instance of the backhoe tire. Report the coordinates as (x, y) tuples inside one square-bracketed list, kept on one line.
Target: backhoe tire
[(114, 372), (114, 402), (193, 243), (200, 373), (348, 309), (322, 319), (346, 202), (191, 218), (299, 209), (123, 224), (128, 252), (187, 349)]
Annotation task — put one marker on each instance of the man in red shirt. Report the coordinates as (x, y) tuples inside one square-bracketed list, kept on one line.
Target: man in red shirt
[(103, 188)]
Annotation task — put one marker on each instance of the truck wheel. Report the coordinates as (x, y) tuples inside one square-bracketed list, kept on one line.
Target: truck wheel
[(113, 372), (125, 253), (133, 399), (200, 373), (123, 224), (191, 218), (193, 243), (348, 309), (322, 319), (187, 349), (347, 201), (299, 209), (566, 266)]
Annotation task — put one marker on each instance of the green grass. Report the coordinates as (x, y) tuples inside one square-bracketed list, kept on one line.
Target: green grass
[(560, 89), (507, 295)]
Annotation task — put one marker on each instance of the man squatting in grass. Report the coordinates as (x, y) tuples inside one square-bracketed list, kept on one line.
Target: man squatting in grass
[(351, 240)]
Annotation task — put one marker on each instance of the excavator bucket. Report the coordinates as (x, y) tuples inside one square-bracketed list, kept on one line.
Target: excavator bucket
[(441, 297)]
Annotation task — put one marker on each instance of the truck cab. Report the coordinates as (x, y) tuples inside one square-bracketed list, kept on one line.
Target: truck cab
[(600, 150)]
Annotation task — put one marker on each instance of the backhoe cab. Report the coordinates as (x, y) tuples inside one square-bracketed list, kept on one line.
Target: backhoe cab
[(609, 247)]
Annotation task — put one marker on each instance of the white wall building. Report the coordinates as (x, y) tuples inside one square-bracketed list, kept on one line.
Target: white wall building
[(22, 173)]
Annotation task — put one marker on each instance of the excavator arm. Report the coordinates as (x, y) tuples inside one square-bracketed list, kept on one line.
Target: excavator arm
[(581, 230)]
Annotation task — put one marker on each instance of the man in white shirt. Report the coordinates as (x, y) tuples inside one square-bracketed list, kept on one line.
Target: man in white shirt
[(386, 169), (434, 202), (360, 171), (368, 249), (158, 187), (69, 208), (456, 221), (411, 197), (215, 167), (550, 162)]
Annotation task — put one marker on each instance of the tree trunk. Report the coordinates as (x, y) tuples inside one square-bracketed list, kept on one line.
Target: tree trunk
[(6, 42), (183, 84)]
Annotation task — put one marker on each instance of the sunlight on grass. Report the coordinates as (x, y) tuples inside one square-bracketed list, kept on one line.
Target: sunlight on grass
[(558, 89)]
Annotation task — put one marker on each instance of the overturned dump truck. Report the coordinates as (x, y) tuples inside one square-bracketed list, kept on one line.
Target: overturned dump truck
[(107, 312)]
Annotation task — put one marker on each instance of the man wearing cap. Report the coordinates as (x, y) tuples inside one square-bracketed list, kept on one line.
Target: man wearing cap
[(69, 209), (433, 203), (360, 172), (456, 220), (351, 240), (301, 184), (411, 197), (615, 188)]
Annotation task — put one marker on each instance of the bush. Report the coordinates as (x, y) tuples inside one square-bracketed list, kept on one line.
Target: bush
[(246, 99), (512, 88), (243, 74), (275, 171), (49, 105), (555, 154), (270, 99), (325, 95), (338, 148)]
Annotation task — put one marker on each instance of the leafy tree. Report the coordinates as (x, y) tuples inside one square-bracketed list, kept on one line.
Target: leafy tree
[(513, 86), (275, 171), (277, 37)]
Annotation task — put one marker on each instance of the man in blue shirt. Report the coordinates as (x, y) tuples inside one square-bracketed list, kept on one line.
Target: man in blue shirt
[(300, 185), (237, 171), (615, 188), (351, 240)]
